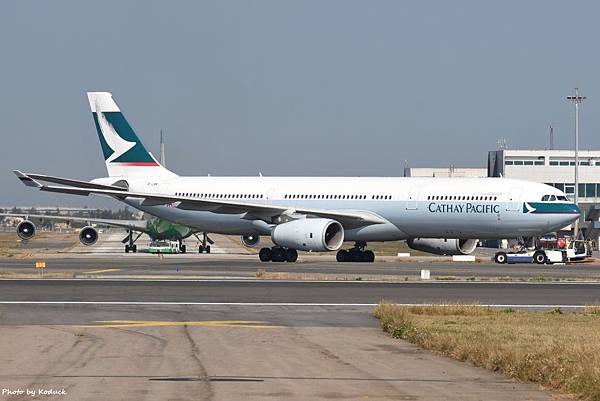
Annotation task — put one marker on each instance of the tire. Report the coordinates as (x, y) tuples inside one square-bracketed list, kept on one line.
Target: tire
[(278, 255), (342, 256), (291, 255), (133, 248), (207, 248), (200, 249), (500, 258), (540, 258), (369, 257), (126, 248), (265, 255), (183, 248)]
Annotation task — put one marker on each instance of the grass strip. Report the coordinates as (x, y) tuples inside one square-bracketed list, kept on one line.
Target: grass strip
[(557, 350)]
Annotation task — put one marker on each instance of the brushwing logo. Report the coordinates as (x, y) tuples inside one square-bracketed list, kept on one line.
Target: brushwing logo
[(527, 208), (118, 145)]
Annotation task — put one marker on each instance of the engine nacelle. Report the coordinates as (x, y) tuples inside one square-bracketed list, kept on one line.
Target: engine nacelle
[(88, 236), (309, 235), (26, 230), (443, 246), (250, 240)]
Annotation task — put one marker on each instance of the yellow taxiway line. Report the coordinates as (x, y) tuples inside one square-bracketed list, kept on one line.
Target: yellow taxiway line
[(102, 271), (207, 323)]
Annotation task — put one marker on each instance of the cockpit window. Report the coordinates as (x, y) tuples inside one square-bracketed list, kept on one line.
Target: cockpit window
[(554, 198)]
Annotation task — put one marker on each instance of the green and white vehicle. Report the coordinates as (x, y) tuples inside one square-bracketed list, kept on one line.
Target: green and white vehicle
[(164, 247)]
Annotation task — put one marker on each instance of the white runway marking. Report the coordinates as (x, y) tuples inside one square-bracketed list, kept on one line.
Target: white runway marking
[(300, 304), (353, 282)]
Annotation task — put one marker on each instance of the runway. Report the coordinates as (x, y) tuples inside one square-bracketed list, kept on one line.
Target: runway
[(289, 292), (240, 266)]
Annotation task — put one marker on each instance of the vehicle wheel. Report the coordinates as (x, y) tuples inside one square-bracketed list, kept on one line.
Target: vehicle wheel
[(207, 248), (200, 249), (264, 255), (500, 258), (540, 258), (183, 248), (291, 255), (126, 248), (342, 255), (133, 248), (369, 257)]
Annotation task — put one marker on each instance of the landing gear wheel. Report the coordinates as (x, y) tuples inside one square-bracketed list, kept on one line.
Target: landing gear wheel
[(126, 248), (278, 254), (500, 258), (291, 255), (342, 255), (183, 248), (368, 256), (265, 254), (540, 258), (133, 248), (207, 248)]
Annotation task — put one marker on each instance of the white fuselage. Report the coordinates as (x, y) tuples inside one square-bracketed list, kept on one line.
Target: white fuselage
[(412, 207)]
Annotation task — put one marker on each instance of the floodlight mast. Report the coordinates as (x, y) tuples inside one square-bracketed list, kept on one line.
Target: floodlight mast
[(576, 99)]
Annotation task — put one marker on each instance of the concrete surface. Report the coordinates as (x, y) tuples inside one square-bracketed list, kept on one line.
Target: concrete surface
[(202, 353)]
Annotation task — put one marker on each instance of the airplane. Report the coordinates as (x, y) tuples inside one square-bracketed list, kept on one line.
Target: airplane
[(437, 215), (157, 229)]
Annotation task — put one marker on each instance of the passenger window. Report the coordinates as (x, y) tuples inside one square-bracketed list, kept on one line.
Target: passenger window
[(552, 198), (545, 198)]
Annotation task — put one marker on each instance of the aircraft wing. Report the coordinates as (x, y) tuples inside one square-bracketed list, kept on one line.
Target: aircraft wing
[(134, 225), (251, 211)]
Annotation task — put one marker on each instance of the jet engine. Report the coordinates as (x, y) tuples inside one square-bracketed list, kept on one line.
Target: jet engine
[(443, 246), (250, 240), (26, 230), (309, 235), (88, 236)]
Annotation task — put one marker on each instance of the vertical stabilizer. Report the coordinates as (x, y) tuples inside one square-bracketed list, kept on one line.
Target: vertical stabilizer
[(124, 153)]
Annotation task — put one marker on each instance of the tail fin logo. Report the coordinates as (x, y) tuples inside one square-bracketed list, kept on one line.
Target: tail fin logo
[(118, 145)]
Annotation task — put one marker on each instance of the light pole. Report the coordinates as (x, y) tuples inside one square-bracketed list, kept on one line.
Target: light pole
[(576, 100)]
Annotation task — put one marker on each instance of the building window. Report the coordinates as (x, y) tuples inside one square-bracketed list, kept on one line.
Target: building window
[(584, 163), (553, 162), (518, 162), (508, 163), (528, 162), (539, 163), (563, 163), (590, 190)]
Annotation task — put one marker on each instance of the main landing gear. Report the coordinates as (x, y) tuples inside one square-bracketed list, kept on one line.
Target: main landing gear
[(204, 248), (356, 254), (130, 242), (278, 254)]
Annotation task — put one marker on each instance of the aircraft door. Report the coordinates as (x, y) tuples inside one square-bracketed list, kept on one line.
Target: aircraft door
[(413, 197), (514, 199)]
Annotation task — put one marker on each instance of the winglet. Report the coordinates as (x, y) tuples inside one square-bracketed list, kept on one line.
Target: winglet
[(25, 179)]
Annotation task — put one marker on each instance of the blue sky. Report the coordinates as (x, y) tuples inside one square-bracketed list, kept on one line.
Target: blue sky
[(292, 88)]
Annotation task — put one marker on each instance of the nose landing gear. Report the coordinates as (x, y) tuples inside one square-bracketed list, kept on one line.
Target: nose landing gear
[(356, 254)]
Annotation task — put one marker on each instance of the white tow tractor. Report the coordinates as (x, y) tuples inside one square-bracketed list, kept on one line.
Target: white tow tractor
[(539, 256)]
